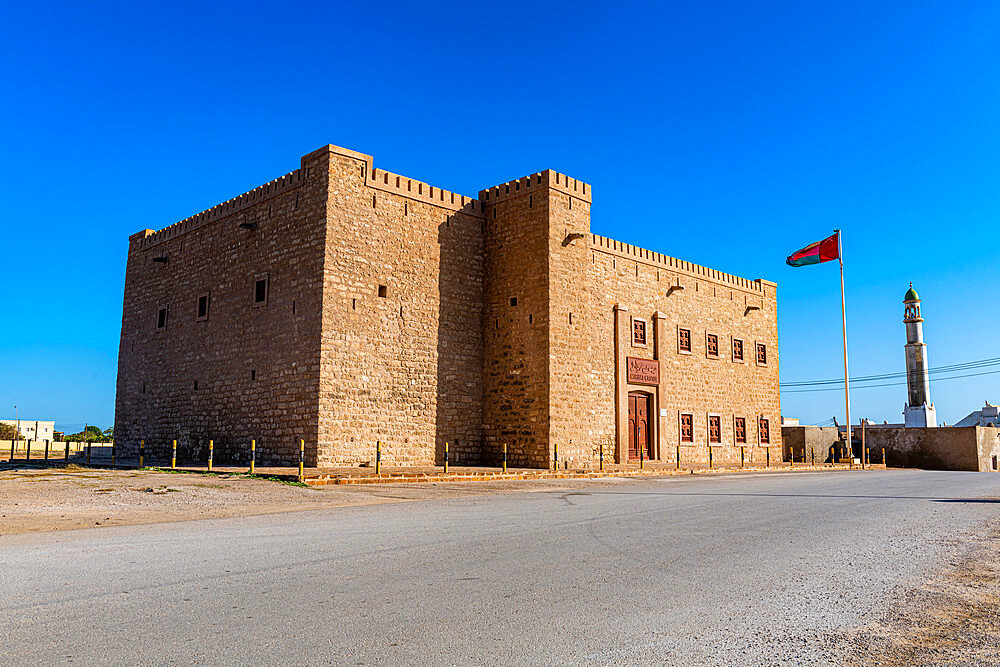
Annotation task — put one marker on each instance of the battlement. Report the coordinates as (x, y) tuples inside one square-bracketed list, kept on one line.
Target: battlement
[(269, 190), (539, 181), (387, 181), (613, 247)]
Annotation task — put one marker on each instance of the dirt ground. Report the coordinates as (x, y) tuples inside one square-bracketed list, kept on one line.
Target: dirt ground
[(953, 619), (44, 499)]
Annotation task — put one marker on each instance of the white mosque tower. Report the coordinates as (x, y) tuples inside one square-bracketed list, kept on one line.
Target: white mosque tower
[(919, 410)]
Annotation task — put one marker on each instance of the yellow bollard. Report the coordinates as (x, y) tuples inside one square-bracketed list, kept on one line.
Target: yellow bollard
[(253, 455), (556, 445), (211, 451), (743, 457), (173, 455), (602, 455), (378, 457), (883, 457), (767, 450), (446, 457), (678, 457), (505, 457), (302, 460), (642, 451), (710, 465), (142, 452)]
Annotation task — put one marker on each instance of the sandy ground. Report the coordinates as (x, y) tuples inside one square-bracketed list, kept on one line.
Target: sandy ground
[(953, 619), (44, 499)]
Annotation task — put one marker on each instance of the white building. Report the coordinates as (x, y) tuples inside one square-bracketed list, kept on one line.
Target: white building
[(33, 429), (988, 416)]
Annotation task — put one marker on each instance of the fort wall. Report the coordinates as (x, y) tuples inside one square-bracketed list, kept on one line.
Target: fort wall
[(243, 370)]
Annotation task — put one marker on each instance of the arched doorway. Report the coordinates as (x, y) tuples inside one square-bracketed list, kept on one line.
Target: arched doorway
[(639, 435)]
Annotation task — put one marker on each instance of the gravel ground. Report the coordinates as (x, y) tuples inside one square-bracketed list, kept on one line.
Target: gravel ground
[(37, 499)]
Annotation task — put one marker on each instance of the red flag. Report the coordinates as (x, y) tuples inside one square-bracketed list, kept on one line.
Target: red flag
[(822, 251)]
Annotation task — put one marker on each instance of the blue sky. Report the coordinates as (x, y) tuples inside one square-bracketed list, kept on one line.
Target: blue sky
[(728, 134)]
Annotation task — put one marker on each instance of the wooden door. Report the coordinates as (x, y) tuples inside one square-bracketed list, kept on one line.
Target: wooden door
[(638, 426)]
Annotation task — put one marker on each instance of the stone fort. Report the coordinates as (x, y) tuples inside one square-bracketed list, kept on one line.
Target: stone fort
[(343, 305)]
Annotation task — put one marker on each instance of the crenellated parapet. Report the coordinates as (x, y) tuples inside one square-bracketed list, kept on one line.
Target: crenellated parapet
[(547, 179), (627, 251), (387, 181), (269, 190)]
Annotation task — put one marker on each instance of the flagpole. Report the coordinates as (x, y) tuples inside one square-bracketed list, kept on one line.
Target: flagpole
[(843, 311)]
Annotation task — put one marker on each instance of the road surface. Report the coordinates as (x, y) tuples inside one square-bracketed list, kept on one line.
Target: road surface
[(759, 569)]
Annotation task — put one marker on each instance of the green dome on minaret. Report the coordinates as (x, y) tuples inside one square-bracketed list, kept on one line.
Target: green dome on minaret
[(911, 294)]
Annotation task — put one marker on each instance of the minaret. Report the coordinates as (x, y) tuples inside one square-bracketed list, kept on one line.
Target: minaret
[(919, 411)]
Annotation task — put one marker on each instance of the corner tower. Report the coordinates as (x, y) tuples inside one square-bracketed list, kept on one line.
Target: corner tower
[(919, 411), (537, 230)]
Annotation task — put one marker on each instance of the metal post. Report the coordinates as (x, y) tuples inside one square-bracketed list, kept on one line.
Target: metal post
[(743, 455), (88, 452), (710, 464), (211, 451), (642, 452), (883, 457), (767, 450), (505, 457), (46, 450), (602, 455), (253, 455), (378, 457), (142, 453), (302, 460), (812, 456), (13, 443), (446, 457), (173, 455), (556, 445), (66, 451), (27, 455), (864, 462), (843, 311), (678, 457), (791, 457), (113, 452)]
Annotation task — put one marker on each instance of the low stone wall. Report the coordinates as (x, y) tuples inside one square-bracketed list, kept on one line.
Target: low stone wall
[(943, 448), (818, 443)]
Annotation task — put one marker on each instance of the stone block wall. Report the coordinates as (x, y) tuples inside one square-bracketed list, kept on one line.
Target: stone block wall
[(402, 346), (243, 371)]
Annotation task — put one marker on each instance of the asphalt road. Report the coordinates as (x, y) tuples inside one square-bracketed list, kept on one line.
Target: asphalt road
[(758, 569)]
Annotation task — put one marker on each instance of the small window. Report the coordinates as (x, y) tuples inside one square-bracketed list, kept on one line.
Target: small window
[(638, 332), (513, 301), (765, 432), (737, 349), (202, 307), (712, 345), (740, 426), (761, 354), (260, 289), (687, 428), (714, 429), (161, 319), (684, 340), (383, 291)]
